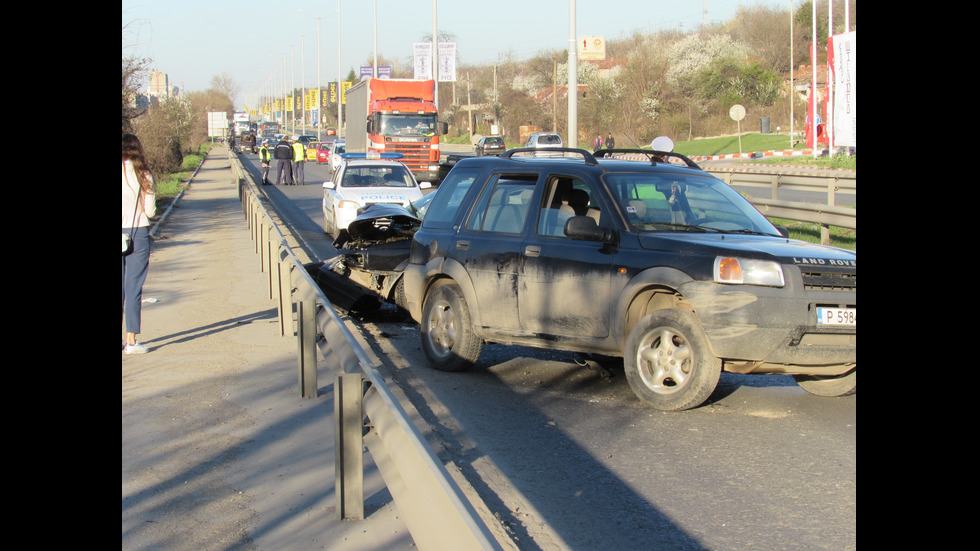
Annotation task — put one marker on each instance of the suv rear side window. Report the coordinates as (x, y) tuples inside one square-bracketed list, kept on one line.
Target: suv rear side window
[(504, 204)]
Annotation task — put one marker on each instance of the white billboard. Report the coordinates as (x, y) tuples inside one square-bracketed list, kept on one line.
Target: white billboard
[(843, 48)]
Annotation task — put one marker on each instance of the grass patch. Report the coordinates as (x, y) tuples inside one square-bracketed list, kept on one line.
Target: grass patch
[(843, 238), (725, 145), (757, 143), (170, 185)]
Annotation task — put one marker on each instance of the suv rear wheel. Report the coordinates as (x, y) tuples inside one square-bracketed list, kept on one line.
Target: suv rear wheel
[(447, 332), (668, 362)]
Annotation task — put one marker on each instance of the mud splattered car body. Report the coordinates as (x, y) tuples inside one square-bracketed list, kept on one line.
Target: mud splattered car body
[(658, 262)]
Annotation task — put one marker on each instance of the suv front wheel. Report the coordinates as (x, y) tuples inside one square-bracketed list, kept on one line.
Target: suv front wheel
[(447, 332), (668, 362)]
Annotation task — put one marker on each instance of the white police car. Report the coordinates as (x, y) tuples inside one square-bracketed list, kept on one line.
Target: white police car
[(362, 180)]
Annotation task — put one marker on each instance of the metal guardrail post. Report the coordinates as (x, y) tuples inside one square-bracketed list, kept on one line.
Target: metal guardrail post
[(306, 342), (349, 445), (283, 300)]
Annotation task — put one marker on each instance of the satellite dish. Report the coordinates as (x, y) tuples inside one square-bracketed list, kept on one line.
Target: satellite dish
[(662, 143)]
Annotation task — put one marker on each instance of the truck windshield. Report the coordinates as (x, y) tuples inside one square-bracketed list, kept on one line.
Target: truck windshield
[(408, 125)]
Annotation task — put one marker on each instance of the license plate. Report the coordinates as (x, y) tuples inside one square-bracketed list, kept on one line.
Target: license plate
[(837, 316)]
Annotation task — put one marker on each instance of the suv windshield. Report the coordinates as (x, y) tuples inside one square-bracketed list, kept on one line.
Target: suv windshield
[(678, 202)]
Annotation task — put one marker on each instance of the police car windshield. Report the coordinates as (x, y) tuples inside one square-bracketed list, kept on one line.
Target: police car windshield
[(679, 202), (377, 176)]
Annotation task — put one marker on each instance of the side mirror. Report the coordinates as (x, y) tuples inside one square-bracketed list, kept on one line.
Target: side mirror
[(425, 185), (585, 228), (443, 127), (370, 126), (328, 184), (783, 231)]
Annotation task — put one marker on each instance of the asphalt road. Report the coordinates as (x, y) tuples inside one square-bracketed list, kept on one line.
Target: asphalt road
[(568, 458)]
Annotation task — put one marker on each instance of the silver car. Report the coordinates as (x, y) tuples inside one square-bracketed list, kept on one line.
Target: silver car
[(543, 140)]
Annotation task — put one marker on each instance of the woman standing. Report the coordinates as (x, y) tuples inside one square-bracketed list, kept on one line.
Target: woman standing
[(138, 205)]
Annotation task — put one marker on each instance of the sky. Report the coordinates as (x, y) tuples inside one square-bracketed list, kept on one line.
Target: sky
[(250, 40)]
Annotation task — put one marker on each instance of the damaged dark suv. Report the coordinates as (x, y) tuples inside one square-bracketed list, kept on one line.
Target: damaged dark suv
[(655, 261)]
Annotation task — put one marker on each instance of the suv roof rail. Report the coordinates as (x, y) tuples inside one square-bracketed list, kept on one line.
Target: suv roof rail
[(589, 158), (652, 153)]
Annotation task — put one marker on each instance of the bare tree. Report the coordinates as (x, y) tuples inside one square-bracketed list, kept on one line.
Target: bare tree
[(134, 73)]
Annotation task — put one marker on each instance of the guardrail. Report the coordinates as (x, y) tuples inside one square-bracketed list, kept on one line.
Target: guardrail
[(825, 215), (431, 503)]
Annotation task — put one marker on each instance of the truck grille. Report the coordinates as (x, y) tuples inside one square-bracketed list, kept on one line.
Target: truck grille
[(416, 154)]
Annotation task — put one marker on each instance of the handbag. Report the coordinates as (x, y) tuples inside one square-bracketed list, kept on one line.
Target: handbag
[(127, 240)]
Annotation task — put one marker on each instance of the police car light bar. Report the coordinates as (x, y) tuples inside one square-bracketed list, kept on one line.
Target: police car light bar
[(372, 155)]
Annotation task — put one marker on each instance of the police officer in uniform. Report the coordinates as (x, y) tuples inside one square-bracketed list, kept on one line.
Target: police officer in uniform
[(265, 157), (299, 161)]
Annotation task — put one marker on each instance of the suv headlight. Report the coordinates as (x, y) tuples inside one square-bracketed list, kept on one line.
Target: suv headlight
[(748, 271), (347, 204)]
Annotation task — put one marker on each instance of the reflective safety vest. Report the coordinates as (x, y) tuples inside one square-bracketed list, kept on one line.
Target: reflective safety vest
[(264, 155), (299, 152)]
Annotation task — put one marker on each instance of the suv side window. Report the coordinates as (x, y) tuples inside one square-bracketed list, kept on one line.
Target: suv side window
[(504, 204), (443, 209), (565, 197)]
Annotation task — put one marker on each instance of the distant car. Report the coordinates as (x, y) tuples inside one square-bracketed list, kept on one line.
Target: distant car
[(323, 153), (338, 148), (311, 149), (359, 182), (544, 140), (306, 140), (246, 142), (490, 145)]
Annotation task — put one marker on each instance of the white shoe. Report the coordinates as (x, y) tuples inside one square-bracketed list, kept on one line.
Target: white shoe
[(135, 349)]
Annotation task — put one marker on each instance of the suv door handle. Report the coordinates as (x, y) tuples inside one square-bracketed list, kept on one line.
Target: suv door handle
[(462, 245), (532, 250)]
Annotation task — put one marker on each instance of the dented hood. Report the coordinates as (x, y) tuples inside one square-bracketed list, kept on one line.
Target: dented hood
[(365, 221), (364, 229)]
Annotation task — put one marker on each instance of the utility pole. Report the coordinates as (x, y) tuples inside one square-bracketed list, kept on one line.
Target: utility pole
[(572, 77)]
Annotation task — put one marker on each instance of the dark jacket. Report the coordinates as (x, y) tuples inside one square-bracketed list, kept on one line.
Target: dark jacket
[(283, 151)]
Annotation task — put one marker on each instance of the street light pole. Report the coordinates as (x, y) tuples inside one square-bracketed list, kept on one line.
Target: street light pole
[(302, 78), (340, 106), (319, 89)]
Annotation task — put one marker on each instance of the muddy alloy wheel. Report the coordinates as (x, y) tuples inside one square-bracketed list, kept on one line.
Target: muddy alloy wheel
[(668, 362), (447, 334)]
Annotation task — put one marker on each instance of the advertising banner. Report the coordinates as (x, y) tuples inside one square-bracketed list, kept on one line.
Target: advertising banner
[(842, 50), (422, 56)]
